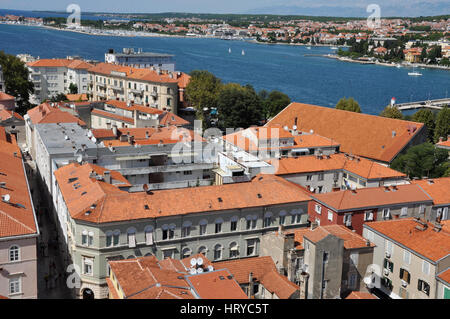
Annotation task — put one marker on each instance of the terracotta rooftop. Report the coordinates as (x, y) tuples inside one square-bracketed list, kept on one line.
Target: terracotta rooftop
[(372, 197), (76, 97), (6, 97), (45, 113), (218, 284), (112, 204), (385, 139), (357, 165), (360, 295), (16, 212), (445, 276), (5, 115), (437, 188), (428, 243), (68, 63), (351, 239)]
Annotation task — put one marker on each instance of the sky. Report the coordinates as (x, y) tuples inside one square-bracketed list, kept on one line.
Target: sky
[(307, 7)]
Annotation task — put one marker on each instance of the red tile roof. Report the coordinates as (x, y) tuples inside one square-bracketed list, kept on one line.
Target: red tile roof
[(438, 189), (372, 197), (360, 295), (351, 239), (445, 276), (6, 97), (428, 243), (216, 285), (71, 64), (17, 215), (113, 204), (278, 284), (350, 129), (5, 115), (357, 165), (45, 113)]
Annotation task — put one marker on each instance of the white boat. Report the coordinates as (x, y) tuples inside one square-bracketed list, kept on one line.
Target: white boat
[(229, 50), (398, 66), (334, 48), (309, 48), (243, 52), (414, 74)]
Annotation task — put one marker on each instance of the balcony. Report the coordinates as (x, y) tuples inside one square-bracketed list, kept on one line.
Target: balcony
[(117, 88), (102, 85), (154, 95), (165, 168), (172, 185), (136, 91)]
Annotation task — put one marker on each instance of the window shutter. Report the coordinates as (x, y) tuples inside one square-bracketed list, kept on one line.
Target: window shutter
[(385, 263), (149, 238), (408, 277), (419, 285), (391, 267), (131, 240), (401, 273)]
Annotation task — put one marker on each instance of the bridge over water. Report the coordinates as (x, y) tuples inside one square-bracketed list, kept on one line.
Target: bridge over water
[(429, 104)]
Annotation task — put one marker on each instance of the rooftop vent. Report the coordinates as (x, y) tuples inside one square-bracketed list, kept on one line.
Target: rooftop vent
[(220, 200), (146, 207), (259, 195)]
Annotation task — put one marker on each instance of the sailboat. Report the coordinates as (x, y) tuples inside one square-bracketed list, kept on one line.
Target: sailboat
[(243, 52)]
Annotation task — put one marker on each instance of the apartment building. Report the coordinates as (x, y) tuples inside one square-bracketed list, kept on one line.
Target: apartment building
[(411, 254), (18, 226), (327, 262), (154, 88), (149, 278), (439, 191), (140, 59), (101, 222), (353, 208), (105, 115), (326, 173), (53, 76), (277, 141), (259, 278), (386, 139)]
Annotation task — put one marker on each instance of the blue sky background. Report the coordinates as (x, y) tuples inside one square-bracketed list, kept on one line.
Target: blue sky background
[(307, 7)]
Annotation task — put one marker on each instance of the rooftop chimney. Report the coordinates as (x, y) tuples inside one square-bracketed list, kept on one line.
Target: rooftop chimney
[(107, 177)]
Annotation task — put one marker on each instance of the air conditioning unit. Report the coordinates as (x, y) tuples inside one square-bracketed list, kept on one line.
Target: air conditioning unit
[(388, 255), (386, 272), (404, 283)]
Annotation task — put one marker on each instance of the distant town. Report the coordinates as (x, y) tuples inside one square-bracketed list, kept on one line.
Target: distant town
[(127, 179)]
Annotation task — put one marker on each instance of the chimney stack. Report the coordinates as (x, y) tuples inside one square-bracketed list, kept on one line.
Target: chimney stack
[(107, 177), (250, 286)]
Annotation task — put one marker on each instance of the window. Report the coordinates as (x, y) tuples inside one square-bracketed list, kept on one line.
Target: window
[(116, 237), (318, 209), (88, 264), (326, 256), (168, 253), (90, 239), (268, 219), (386, 213), (109, 238), (251, 222), (202, 250), (423, 286), (169, 102), (203, 223), (186, 229), (131, 235), (405, 275), (14, 286), (251, 247), (354, 257), (426, 267), (148, 235), (352, 280), (309, 178), (296, 216), (186, 253), (218, 252), (219, 223), (233, 225), (168, 231), (445, 214), (321, 176), (404, 212), (14, 253), (406, 257), (348, 220), (282, 219), (234, 250), (84, 238), (330, 215), (389, 248), (368, 216)]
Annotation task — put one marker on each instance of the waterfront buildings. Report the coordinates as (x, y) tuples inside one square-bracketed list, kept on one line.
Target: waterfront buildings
[(140, 59), (53, 76), (101, 222), (18, 225), (150, 87), (412, 257), (353, 208), (383, 142), (327, 262)]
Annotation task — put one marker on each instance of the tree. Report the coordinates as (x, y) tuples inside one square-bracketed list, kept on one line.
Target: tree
[(202, 92), (274, 103), (60, 97), (16, 74), (426, 117), (442, 128), (392, 112), (424, 160), (238, 106), (73, 88), (348, 105)]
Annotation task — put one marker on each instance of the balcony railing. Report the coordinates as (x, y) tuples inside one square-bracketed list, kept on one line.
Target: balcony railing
[(165, 168)]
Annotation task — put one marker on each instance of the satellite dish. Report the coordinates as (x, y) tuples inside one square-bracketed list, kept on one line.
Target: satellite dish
[(193, 262), (311, 189), (199, 261), (294, 127), (192, 271), (210, 268), (6, 198), (199, 270), (286, 128), (312, 131), (94, 140)]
